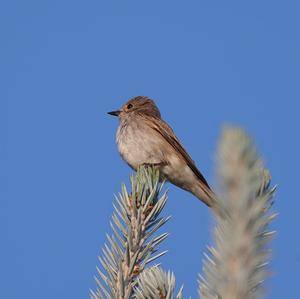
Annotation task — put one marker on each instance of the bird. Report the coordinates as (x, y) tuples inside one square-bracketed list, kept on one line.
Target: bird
[(144, 138)]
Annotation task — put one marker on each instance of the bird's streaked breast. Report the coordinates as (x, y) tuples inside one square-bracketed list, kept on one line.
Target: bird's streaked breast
[(138, 144)]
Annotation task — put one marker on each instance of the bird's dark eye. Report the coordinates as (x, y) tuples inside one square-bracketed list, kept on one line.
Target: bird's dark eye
[(129, 106)]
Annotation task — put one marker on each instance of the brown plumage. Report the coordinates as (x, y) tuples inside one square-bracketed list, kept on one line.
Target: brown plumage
[(144, 138)]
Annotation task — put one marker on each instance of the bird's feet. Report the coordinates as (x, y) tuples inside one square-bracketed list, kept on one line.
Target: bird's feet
[(154, 164)]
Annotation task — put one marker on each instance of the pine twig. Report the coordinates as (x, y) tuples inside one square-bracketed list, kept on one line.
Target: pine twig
[(235, 267), (154, 283), (133, 243)]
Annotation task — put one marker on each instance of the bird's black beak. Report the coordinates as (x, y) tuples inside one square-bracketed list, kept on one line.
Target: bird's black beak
[(114, 113)]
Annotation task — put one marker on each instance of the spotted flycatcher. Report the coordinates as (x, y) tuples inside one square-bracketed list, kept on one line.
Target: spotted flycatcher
[(143, 138)]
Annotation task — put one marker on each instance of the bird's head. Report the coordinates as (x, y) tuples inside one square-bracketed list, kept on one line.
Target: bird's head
[(140, 105)]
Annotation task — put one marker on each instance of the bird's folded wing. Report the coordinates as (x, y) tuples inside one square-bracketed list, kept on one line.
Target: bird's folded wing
[(167, 133)]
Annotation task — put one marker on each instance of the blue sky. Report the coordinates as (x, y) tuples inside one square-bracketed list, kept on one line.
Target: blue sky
[(64, 64)]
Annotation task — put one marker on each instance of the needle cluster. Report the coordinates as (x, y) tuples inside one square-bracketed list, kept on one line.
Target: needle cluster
[(235, 267), (133, 244)]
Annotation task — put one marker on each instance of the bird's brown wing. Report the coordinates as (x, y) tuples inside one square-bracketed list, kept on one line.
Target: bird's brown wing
[(167, 133)]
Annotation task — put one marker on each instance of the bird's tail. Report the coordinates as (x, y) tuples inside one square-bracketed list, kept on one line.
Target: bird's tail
[(205, 194)]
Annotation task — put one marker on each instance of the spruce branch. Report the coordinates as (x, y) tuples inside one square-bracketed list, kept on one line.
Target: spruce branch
[(133, 243), (154, 283), (235, 267)]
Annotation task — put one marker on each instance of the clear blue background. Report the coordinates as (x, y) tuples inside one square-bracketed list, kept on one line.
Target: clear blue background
[(64, 64)]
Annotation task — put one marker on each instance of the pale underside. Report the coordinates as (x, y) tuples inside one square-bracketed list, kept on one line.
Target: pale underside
[(140, 143)]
